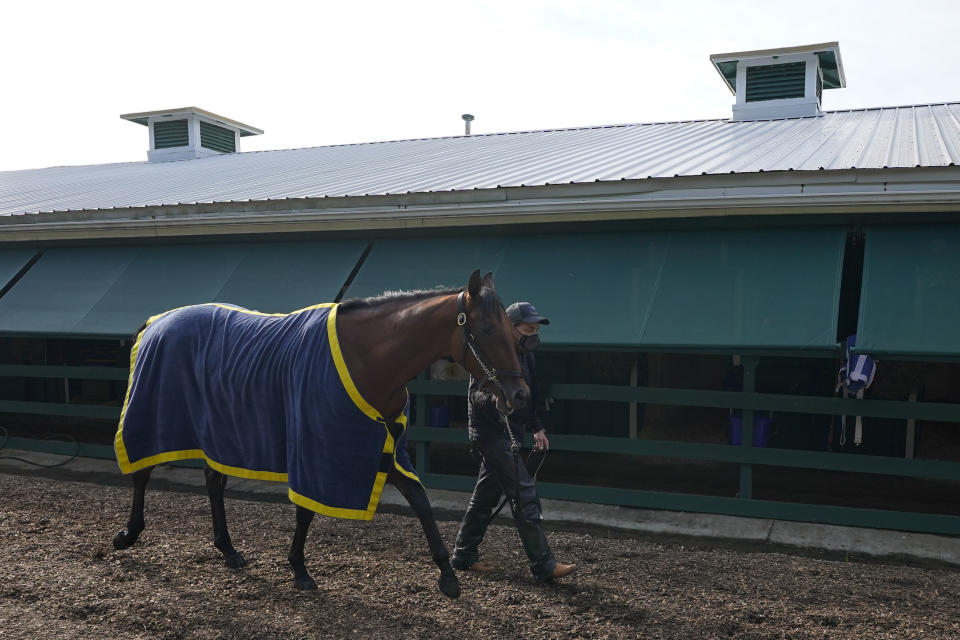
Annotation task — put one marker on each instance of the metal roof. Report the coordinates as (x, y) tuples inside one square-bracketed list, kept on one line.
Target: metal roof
[(877, 138)]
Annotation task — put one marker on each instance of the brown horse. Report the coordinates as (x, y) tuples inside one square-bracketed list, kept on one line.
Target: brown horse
[(384, 343)]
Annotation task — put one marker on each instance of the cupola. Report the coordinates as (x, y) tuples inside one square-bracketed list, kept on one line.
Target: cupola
[(780, 83), (188, 133)]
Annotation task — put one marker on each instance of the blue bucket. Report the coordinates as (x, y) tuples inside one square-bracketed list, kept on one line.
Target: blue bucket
[(761, 430), (440, 416)]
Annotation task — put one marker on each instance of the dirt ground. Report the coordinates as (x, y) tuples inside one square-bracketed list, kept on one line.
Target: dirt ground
[(61, 578)]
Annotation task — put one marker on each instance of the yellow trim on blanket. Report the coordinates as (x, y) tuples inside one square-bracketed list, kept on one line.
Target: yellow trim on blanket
[(396, 465), (198, 454), (345, 378), (233, 307), (339, 512), (359, 400), (118, 446)]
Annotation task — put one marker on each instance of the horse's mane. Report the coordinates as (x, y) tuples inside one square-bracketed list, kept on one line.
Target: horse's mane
[(489, 298)]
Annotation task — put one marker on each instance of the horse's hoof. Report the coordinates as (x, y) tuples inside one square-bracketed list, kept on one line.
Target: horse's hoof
[(449, 586), (123, 540), (235, 561), (306, 584)]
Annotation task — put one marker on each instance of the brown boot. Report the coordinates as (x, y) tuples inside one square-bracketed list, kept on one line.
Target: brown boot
[(479, 567), (563, 570)]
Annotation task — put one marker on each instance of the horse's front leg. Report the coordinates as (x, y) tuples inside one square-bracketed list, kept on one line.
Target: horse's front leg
[(300, 576), (417, 497)]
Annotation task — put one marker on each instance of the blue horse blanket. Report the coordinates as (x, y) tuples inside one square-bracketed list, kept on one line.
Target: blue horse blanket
[(263, 396)]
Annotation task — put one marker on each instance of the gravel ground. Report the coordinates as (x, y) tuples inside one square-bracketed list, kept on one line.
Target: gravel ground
[(61, 578)]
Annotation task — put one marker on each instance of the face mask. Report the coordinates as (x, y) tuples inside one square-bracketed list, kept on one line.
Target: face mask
[(529, 343)]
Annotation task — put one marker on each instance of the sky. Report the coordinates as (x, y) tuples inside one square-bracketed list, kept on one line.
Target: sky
[(321, 73)]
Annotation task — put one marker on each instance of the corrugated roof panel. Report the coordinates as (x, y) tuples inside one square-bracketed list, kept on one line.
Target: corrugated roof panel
[(949, 126), (861, 131), (877, 149), (903, 147), (922, 135), (929, 138), (774, 151), (842, 145)]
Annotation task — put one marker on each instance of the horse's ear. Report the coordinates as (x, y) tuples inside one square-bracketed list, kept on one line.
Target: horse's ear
[(488, 280), (473, 287)]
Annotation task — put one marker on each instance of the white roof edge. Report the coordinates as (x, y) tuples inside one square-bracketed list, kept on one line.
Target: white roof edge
[(660, 204), (722, 77), (133, 117), (840, 71), (735, 56), (760, 53)]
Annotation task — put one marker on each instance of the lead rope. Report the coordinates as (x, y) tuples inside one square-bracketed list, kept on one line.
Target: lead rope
[(535, 472), (514, 446)]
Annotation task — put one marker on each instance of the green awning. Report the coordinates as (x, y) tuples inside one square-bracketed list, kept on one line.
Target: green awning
[(771, 288), (110, 291), (426, 263), (910, 297), (12, 261)]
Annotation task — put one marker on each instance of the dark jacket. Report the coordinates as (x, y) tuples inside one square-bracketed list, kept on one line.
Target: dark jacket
[(483, 421)]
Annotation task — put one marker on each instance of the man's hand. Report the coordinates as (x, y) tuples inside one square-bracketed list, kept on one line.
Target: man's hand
[(540, 441)]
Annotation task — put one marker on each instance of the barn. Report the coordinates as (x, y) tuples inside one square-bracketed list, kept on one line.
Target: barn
[(703, 278)]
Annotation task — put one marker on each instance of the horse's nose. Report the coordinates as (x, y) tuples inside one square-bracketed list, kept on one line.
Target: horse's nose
[(520, 398)]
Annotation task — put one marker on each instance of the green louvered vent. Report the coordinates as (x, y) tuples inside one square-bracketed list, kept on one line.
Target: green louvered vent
[(776, 81), (170, 133), (217, 138)]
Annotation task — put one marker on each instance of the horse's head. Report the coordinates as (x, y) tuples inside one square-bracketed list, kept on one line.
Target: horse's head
[(488, 346)]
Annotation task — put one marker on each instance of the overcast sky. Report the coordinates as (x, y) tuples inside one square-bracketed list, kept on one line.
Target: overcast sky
[(319, 73)]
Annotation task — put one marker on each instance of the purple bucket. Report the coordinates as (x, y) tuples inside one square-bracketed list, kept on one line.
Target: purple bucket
[(761, 430)]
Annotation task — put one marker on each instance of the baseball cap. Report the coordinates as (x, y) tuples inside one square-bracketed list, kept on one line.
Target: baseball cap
[(525, 312)]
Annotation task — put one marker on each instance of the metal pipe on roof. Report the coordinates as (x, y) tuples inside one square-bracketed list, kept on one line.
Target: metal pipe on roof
[(467, 119)]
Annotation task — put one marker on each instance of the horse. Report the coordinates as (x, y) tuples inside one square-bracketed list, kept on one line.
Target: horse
[(264, 396)]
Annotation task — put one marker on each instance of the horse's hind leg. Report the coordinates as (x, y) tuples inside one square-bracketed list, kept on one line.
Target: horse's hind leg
[(300, 576), (135, 525), (216, 483), (415, 494)]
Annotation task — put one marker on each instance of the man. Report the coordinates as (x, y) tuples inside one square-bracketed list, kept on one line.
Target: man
[(498, 470)]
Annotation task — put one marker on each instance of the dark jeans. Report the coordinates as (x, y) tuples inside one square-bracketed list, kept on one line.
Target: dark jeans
[(498, 476)]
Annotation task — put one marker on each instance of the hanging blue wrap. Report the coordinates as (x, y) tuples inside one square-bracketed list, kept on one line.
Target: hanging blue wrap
[(259, 396), (855, 376), (858, 369)]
